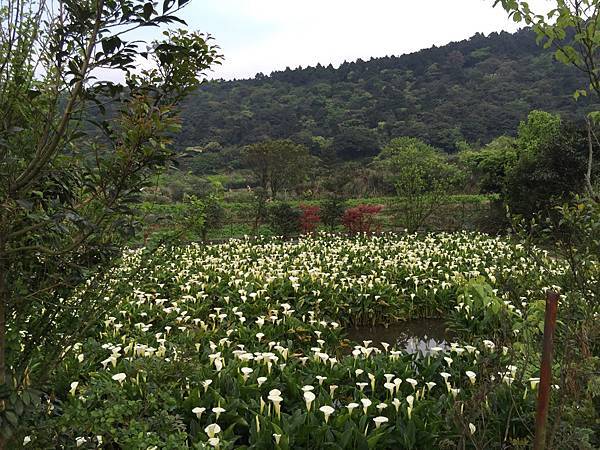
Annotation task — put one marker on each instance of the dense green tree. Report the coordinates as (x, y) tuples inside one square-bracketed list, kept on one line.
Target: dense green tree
[(284, 219), (422, 177), (504, 165), (277, 164), (199, 216), (65, 193), (540, 128), (491, 163), (332, 210), (549, 173), (355, 143), (401, 146)]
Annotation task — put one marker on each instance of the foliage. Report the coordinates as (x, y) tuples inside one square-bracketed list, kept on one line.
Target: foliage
[(176, 185), (332, 210), (362, 219), (491, 163), (355, 143), (481, 313), (201, 216), (260, 206), (503, 77), (189, 220), (571, 28), (398, 147), (284, 219), (548, 174), (66, 188), (537, 131), (309, 218), (422, 177), (277, 164)]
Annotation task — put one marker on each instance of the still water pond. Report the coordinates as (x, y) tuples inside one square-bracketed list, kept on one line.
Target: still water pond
[(413, 336)]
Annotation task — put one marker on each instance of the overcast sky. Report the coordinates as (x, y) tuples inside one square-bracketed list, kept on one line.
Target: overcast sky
[(266, 35)]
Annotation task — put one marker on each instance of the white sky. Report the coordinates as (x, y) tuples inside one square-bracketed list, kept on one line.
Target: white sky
[(266, 35)]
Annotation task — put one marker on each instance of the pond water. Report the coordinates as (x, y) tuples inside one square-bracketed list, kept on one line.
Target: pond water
[(420, 335)]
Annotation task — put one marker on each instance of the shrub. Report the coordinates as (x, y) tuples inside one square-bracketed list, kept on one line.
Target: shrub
[(332, 211), (214, 213), (362, 219), (284, 219), (259, 204), (309, 218)]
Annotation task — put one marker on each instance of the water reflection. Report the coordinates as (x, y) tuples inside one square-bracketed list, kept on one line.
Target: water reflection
[(421, 335)]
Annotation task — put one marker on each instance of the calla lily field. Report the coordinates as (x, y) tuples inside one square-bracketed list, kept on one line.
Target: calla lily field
[(244, 345)]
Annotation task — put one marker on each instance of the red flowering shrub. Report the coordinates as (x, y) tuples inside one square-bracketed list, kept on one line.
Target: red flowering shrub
[(362, 219), (309, 218)]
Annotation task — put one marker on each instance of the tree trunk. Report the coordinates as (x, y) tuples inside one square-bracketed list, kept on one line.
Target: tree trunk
[(588, 175)]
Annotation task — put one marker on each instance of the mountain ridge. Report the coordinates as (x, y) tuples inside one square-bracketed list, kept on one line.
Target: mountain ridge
[(472, 90)]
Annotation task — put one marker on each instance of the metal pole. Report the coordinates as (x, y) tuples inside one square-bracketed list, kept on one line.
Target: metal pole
[(541, 417)]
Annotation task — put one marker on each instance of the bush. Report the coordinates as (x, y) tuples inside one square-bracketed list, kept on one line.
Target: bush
[(309, 218), (214, 214), (284, 219), (362, 219), (332, 211)]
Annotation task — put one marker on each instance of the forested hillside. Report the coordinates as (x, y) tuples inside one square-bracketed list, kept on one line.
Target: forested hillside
[(473, 90)]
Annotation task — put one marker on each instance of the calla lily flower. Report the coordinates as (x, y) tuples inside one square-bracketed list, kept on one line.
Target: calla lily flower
[(309, 397), (366, 403), (198, 411), (218, 411), (472, 376), (120, 377), (327, 411), (534, 382), (212, 430), (379, 420)]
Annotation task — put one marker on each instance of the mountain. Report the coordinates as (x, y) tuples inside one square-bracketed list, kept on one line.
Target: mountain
[(473, 90)]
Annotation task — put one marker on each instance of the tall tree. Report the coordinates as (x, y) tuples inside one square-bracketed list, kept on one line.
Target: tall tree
[(355, 143), (421, 175), (67, 173), (490, 164), (277, 164), (549, 173), (571, 27)]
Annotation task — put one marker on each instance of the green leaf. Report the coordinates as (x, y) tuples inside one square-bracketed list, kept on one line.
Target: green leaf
[(19, 407), (562, 57), (594, 116), (578, 93), (148, 10), (12, 418)]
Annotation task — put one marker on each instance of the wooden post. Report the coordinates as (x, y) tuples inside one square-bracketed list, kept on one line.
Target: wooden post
[(541, 417)]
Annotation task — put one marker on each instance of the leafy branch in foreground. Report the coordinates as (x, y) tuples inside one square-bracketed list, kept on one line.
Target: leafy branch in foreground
[(68, 175)]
